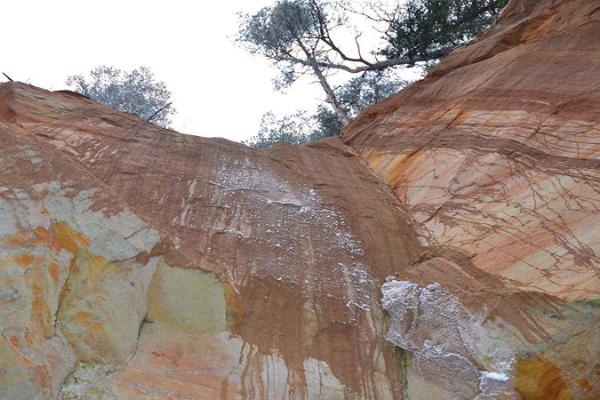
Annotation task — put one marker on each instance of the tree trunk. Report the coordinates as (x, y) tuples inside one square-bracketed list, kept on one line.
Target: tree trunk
[(342, 116)]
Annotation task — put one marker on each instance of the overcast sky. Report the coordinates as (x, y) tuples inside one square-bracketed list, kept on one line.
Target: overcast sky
[(218, 89)]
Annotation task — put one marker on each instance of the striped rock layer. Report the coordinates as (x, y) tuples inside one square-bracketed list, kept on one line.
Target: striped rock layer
[(446, 246)]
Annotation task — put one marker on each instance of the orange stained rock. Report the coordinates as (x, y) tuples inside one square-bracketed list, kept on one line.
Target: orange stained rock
[(539, 379), (24, 259), (18, 239), (42, 235), (506, 133), (585, 384), (54, 271), (235, 305), (485, 190), (14, 340), (67, 238), (39, 310)]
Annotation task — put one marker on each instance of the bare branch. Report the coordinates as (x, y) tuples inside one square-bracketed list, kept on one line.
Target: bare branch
[(151, 118)]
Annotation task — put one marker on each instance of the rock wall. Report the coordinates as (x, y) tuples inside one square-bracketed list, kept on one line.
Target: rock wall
[(496, 152), (444, 247), (262, 276), (495, 157)]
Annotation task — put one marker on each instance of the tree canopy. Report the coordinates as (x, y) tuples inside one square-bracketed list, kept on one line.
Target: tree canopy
[(319, 38), (296, 128), (303, 127), (423, 30), (136, 92)]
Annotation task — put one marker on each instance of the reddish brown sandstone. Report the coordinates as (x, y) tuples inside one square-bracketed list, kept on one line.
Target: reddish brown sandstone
[(137, 262), (497, 151)]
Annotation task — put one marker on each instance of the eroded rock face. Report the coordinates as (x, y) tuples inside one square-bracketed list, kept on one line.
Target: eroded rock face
[(495, 156), (259, 279), (496, 153), (479, 330), (446, 248), (71, 288)]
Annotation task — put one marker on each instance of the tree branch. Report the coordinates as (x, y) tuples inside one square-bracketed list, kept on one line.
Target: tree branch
[(151, 118), (376, 66)]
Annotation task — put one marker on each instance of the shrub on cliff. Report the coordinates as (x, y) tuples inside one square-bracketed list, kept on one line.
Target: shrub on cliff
[(135, 92)]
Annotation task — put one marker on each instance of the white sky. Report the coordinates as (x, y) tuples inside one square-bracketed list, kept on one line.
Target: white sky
[(218, 88)]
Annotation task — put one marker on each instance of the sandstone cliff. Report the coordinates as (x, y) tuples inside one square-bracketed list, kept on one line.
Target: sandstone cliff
[(446, 247)]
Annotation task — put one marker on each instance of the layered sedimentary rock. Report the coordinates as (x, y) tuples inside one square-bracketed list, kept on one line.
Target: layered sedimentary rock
[(496, 152), (256, 274), (496, 155), (445, 247)]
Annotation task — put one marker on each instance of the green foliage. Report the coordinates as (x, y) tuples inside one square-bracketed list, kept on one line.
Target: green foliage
[(279, 33), (422, 27), (296, 128), (274, 30), (135, 92), (327, 123), (367, 89), (297, 36), (301, 127)]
